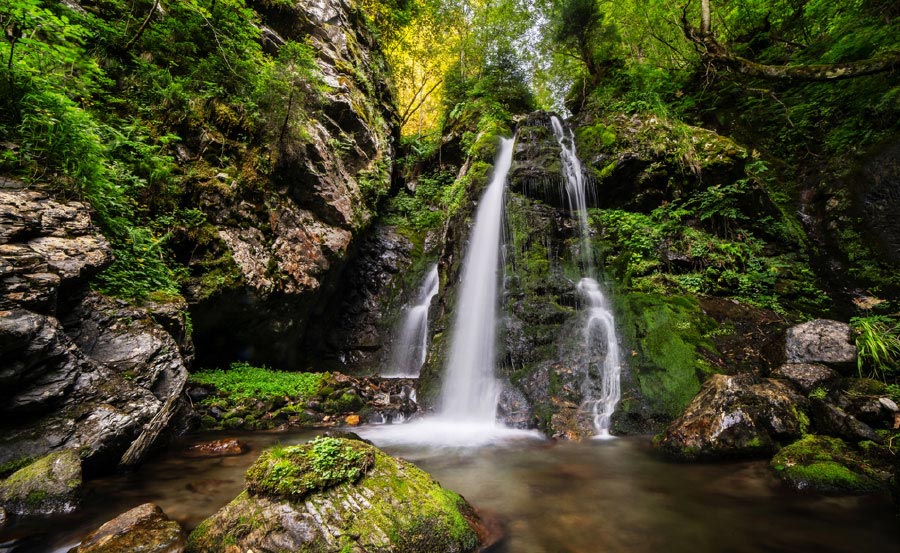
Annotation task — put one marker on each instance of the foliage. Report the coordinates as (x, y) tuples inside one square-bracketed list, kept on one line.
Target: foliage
[(296, 471), (878, 346), (245, 381)]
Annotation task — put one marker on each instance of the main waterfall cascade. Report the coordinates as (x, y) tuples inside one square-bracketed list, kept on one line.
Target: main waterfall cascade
[(600, 328), (411, 345), (467, 412)]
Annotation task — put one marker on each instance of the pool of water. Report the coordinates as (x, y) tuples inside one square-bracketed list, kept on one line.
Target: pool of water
[(610, 496)]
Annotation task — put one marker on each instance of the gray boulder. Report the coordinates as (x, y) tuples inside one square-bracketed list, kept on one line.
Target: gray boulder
[(806, 376), (821, 341)]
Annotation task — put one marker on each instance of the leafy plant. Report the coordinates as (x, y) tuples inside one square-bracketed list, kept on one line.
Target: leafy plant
[(878, 346), (246, 381)]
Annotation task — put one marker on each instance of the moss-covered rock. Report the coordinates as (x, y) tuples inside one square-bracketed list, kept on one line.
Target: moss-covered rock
[(50, 485), (827, 465), (736, 417), (339, 495)]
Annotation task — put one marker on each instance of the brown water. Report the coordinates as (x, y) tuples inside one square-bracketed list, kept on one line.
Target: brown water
[(609, 496)]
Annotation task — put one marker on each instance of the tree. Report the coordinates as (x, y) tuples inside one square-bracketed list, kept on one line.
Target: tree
[(715, 53)]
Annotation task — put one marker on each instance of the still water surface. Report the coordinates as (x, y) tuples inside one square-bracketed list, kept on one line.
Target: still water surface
[(600, 496)]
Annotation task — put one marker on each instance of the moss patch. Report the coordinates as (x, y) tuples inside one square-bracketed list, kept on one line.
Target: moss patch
[(826, 465), (666, 337)]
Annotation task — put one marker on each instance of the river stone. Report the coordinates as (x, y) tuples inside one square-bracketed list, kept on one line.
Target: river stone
[(806, 376), (50, 485), (144, 529), (735, 416), (337, 495), (821, 341), (217, 448)]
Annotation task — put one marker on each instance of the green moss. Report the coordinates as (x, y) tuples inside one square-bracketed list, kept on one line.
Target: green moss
[(12, 466), (296, 471), (244, 381), (667, 338), (825, 464)]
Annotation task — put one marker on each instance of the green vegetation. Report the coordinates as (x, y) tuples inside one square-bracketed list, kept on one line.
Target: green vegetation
[(878, 346), (243, 381), (826, 465), (294, 472)]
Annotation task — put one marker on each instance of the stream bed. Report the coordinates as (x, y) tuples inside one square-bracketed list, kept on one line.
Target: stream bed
[(598, 496)]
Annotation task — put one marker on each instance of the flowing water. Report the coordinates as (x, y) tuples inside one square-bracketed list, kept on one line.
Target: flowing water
[(469, 390), (600, 326), (611, 496), (411, 345)]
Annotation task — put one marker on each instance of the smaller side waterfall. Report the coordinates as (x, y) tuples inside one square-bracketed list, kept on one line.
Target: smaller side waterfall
[(411, 343), (600, 326)]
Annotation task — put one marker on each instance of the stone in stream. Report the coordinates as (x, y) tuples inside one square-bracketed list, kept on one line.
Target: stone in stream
[(334, 495), (50, 485), (821, 341), (828, 465), (144, 529), (736, 416), (217, 448)]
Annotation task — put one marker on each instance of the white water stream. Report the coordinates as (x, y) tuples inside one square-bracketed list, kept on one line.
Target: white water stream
[(600, 326), (411, 345), (467, 412)]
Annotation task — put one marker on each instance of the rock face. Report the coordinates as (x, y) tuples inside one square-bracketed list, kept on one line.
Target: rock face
[(736, 416), (144, 529), (355, 328), (821, 341), (281, 245), (336, 495), (50, 485), (80, 371)]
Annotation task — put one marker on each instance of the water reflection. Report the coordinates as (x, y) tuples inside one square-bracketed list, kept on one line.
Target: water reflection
[(611, 496)]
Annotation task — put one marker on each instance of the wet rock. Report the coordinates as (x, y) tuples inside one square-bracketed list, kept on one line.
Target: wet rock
[(821, 341), (144, 529), (824, 464), (834, 421), (514, 409), (806, 376), (735, 417), (217, 448), (366, 501), (50, 485)]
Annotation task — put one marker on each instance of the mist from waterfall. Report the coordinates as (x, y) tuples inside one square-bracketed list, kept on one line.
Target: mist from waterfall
[(600, 328)]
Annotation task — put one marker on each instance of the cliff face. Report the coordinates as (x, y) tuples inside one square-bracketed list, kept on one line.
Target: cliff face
[(282, 212), (284, 242)]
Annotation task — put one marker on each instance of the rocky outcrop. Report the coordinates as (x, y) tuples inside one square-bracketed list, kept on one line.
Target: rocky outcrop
[(806, 376), (821, 341), (339, 495), (736, 416), (51, 485), (81, 371), (355, 329), (144, 529), (277, 248)]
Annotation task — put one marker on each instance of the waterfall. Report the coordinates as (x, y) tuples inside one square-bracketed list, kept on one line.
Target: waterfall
[(600, 327), (411, 345), (470, 389)]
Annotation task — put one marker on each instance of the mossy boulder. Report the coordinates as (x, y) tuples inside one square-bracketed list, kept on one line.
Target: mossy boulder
[(736, 417), (144, 529), (828, 465), (339, 495), (50, 485)]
